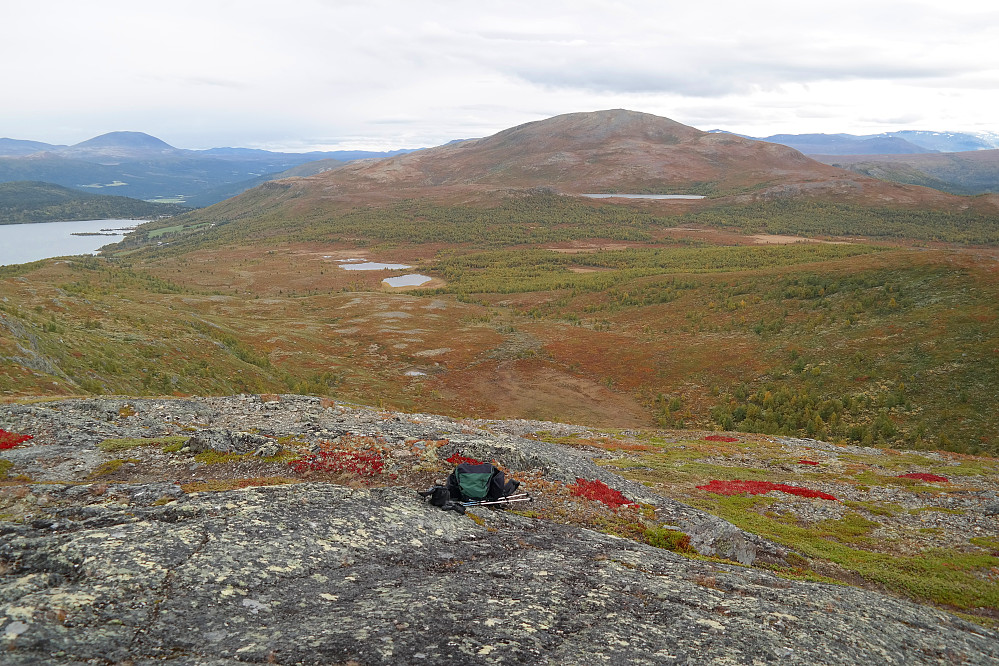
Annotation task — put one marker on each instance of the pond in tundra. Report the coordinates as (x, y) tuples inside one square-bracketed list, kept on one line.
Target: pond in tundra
[(411, 280), (644, 196), (349, 265)]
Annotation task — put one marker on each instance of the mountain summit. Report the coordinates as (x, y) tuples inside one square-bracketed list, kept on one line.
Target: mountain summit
[(120, 145), (607, 151), (614, 150)]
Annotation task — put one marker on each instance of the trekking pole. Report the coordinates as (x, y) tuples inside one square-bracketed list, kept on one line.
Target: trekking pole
[(510, 500), (510, 496), (515, 496)]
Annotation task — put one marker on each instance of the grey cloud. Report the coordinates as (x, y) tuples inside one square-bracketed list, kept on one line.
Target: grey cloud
[(706, 75)]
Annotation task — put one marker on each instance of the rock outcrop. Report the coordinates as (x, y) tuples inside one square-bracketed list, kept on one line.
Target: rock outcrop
[(317, 573)]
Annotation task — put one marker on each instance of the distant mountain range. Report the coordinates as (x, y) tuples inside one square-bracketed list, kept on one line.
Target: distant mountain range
[(902, 142), (141, 166), (613, 151), (967, 173), (955, 162)]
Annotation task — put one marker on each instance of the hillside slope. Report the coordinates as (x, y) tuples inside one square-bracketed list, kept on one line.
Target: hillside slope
[(603, 151), (968, 173), (32, 201)]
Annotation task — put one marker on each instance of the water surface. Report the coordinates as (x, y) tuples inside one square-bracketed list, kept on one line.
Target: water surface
[(22, 243), (373, 266), (644, 196), (411, 280)]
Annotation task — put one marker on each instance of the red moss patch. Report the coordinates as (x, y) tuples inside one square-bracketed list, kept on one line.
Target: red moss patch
[(738, 487), (9, 440), (720, 438), (599, 491), (933, 478), (458, 459), (334, 460), (807, 462)]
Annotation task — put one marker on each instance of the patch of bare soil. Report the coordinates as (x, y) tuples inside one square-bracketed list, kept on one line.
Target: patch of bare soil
[(768, 239), (586, 248), (536, 390)]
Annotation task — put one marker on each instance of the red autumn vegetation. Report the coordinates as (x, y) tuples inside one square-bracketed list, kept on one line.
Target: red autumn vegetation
[(599, 491), (933, 478), (333, 460), (457, 459), (9, 440), (807, 462), (738, 487), (720, 438)]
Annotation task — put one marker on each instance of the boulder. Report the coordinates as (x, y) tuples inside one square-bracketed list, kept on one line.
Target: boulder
[(228, 441)]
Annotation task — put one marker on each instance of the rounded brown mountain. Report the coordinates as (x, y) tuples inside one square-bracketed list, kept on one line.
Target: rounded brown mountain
[(607, 151)]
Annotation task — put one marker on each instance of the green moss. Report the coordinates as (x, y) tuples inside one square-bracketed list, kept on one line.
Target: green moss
[(851, 528), (942, 576), (289, 441), (878, 509), (282, 457), (937, 509), (667, 539), (982, 467), (110, 467), (175, 446), (987, 622), (804, 574), (869, 478)]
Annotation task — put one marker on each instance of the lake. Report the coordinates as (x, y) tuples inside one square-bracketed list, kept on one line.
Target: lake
[(643, 196), (22, 243)]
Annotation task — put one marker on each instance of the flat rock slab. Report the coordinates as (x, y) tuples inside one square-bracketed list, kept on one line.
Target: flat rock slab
[(322, 574), (67, 433)]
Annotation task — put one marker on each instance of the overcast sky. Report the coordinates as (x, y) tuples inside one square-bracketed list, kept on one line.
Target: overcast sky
[(380, 74)]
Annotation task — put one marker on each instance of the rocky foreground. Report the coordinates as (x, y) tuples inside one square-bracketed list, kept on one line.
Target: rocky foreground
[(149, 554)]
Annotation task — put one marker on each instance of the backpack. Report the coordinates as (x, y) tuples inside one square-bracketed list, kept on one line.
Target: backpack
[(479, 481)]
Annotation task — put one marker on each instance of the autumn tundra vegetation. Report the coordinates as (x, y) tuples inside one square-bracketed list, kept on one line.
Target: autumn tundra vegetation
[(796, 300)]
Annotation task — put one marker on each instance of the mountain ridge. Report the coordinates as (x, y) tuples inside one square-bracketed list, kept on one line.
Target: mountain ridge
[(142, 166), (897, 142), (965, 173), (26, 202), (604, 152)]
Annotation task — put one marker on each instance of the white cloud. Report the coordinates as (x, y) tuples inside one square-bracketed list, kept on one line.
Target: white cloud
[(395, 73)]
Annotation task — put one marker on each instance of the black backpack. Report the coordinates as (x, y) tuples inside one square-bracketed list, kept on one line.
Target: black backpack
[(479, 481)]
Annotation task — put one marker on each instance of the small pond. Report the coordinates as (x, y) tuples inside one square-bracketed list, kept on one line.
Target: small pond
[(412, 280), (372, 266), (643, 196)]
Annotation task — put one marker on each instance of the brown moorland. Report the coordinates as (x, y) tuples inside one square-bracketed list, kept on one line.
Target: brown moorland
[(674, 314)]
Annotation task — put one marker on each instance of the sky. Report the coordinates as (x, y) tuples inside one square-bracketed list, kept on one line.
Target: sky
[(382, 74)]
